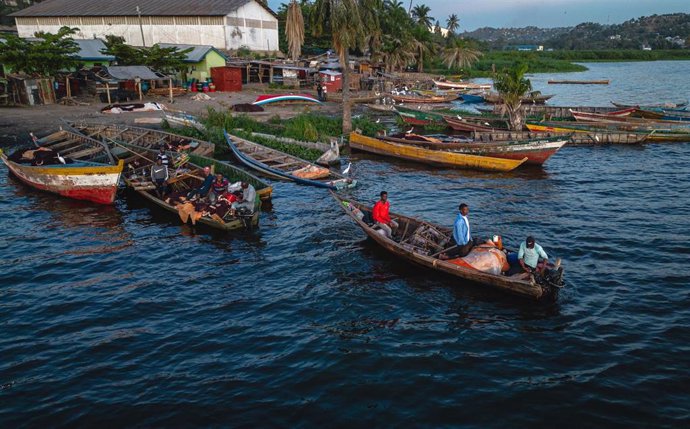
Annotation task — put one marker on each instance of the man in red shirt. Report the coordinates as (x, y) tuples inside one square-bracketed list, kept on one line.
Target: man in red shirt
[(381, 216)]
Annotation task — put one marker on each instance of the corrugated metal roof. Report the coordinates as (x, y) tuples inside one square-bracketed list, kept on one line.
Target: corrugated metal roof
[(197, 53), (129, 8), (131, 72), (90, 49)]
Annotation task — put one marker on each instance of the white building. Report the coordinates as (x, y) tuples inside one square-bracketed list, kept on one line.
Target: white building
[(223, 24)]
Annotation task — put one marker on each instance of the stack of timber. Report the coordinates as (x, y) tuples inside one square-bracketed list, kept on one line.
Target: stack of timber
[(422, 242), (185, 176), (144, 137), (432, 157), (68, 164), (282, 166)]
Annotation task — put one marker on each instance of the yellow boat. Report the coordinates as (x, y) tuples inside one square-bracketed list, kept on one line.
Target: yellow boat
[(433, 157), (548, 129)]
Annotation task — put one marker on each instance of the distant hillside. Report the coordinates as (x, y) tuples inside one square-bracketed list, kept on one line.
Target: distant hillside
[(656, 32)]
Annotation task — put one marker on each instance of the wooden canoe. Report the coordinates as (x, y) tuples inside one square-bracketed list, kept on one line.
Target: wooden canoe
[(418, 117), (579, 82), (405, 247), (184, 178), (144, 137), (671, 105), (282, 166), (279, 98), (432, 157), (461, 85), (583, 136), (495, 98), (90, 173), (424, 100), (464, 125), (596, 117), (537, 150)]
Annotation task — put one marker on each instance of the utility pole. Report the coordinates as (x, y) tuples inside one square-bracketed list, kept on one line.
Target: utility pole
[(141, 27)]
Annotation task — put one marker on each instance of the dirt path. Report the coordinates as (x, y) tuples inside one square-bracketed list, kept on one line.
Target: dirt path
[(17, 122)]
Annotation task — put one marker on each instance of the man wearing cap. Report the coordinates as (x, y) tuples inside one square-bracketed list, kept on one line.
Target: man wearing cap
[(205, 187), (529, 255)]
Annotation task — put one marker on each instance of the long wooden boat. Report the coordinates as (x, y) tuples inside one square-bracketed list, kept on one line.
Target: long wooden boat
[(579, 82), (278, 98), (596, 117), (144, 137), (591, 138), (671, 105), (424, 100), (495, 98), (663, 114), (421, 242), (432, 157), (418, 117), (182, 119), (354, 98), (583, 136), (88, 173), (428, 93), (282, 166), (464, 125), (472, 98), (461, 85), (543, 111), (537, 150), (183, 179)]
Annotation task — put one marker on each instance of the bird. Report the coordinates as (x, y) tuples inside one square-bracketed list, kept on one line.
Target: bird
[(487, 124), (459, 117), (596, 137), (378, 121), (347, 169), (409, 131), (61, 159)]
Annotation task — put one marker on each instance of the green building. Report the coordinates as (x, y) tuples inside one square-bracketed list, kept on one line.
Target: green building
[(199, 60)]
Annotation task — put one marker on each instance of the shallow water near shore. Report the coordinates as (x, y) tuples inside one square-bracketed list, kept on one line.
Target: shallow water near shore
[(121, 315)]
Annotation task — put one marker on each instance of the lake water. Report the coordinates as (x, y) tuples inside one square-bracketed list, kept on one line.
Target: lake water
[(119, 315)]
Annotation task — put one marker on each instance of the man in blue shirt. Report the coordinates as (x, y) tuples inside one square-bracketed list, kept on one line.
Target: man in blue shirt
[(461, 242), (529, 255)]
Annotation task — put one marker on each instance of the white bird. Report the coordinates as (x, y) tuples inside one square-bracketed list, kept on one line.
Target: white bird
[(409, 131), (487, 124), (378, 121), (347, 169), (459, 117), (596, 137), (61, 159)]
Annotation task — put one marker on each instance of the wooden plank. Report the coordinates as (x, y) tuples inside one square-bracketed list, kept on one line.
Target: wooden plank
[(86, 152), (286, 164)]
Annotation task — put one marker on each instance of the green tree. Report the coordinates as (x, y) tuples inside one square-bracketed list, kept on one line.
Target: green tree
[(343, 20), (424, 43), (460, 53), (46, 56), (452, 24), (512, 85), (163, 60), (420, 13)]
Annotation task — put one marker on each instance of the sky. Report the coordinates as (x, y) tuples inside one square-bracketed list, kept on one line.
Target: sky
[(474, 14)]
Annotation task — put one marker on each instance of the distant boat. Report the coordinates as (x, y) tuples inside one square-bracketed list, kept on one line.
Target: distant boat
[(74, 166), (461, 85), (472, 98), (579, 82), (670, 105), (432, 157), (424, 99), (276, 98)]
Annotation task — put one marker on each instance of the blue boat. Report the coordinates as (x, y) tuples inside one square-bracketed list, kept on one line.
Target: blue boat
[(282, 166), (472, 98)]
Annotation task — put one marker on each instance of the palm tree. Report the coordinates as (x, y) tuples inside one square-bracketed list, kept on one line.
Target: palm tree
[(512, 85), (343, 20), (423, 43), (420, 13), (452, 24), (294, 30), (460, 53)]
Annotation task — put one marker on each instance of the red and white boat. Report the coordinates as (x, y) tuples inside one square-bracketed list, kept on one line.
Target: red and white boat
[(70, 165), (616, 116), (461, 85), (276, 98)]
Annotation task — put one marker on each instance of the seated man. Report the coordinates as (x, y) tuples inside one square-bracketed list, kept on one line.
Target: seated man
[(461, 241), (381, 215), (218, 187), (205, 187), (159, 177), (248, 198), (529, 255)]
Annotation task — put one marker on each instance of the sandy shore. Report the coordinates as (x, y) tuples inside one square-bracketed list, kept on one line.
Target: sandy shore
[(17, 122)]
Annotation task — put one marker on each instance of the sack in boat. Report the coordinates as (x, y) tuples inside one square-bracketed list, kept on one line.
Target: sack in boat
[(184, 210), (311, 172), (486, 258)]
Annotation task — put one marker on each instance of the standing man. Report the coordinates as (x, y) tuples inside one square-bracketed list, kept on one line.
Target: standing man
[(529, 255), (461, 242), (159, 176), (382, 217)]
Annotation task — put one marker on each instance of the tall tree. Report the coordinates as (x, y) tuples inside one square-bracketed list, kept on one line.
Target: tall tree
[(294, 30), (45, 56), (512, 85), (452, 24), (164, 60), (423, 42), (420, 13), (460, 53), (343, 20)]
